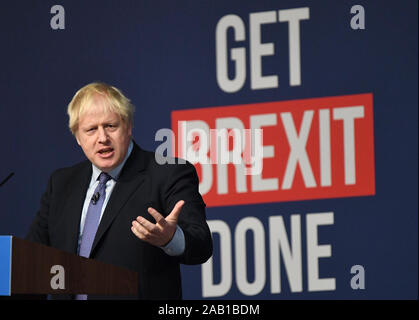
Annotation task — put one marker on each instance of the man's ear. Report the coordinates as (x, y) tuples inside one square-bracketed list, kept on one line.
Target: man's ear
[(129, 128), (77, 138)]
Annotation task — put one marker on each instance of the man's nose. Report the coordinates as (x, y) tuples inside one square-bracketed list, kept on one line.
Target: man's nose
[(103, 136)]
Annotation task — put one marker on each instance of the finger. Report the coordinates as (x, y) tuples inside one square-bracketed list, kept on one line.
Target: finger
[(144, 235), (136, 229), (142, 232), (157, 216), (176, 210), (146, 224)]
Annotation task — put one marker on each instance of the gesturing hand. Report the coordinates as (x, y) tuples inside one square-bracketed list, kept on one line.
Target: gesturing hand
[(160, 233)]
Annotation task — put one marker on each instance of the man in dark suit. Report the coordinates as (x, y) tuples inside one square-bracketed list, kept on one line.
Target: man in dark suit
[(122, 206)]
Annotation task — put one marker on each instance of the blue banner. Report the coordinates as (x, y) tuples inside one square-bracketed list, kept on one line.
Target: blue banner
[(5, 265)]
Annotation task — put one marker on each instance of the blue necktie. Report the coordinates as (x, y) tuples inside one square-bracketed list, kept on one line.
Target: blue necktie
[(92, 220)]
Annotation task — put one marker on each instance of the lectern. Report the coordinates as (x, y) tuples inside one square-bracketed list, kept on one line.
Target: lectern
[(31, 268)]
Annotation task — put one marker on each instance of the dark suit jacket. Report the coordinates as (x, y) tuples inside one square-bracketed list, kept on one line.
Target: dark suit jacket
[(142, 183)]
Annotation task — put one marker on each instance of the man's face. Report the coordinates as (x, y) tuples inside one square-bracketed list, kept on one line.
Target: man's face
[(103, 136)]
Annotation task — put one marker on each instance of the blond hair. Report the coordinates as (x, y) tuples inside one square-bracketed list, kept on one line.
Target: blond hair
[(82, 100)]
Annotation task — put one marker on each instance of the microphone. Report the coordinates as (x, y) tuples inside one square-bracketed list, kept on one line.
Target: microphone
[(7, 178), (95, 197)]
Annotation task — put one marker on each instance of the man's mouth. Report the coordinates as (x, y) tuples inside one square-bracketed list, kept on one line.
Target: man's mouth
[(105, 151)]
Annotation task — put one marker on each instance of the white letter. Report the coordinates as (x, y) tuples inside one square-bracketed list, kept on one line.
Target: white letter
[(166, 146), (358, 280), (57, 281), (298, 153), (188, 149), (209, 289), (315, 251), (293, 16), (224, 156), (253, 151), (278, 244), (57, 21), (257, 50), (237, 54), (253, 288), (358, 20), (256, 122), (324, 135), (348, 115)]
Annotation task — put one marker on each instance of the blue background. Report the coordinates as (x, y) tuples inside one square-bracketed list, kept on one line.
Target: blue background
[(162, 55)]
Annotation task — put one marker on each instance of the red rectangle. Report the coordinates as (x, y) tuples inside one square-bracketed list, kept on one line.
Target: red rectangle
[(313, 149)]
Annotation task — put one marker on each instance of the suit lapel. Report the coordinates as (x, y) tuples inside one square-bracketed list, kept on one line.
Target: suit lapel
[(131, 178), (74, 204)]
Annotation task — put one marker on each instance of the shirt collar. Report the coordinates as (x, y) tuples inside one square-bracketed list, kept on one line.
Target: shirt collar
[(115, 172)]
